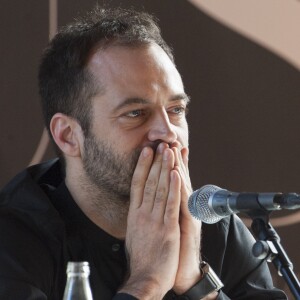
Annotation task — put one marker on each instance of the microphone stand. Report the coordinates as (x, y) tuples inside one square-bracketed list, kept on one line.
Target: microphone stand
[(268, 247)]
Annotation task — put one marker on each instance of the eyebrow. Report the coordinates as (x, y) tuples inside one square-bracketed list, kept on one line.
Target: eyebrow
[(130, 101), (182, 96)]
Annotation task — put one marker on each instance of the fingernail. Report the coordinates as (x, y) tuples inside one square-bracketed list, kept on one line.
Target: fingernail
[(160, 148), (146, 152)]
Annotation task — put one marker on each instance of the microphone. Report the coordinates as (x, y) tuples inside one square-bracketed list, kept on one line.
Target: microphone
[(211, 203)]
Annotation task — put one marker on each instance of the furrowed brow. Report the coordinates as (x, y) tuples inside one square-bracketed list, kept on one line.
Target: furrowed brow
[(182, 96), (130, 101)]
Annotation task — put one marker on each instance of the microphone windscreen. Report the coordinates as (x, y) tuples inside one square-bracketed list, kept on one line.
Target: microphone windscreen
[(200, 207)]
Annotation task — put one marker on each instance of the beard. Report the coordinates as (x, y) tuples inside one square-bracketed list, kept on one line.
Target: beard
[(109, 171)]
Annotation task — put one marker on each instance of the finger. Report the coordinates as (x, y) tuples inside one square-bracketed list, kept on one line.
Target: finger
[(153, 179), (171, 216), (163, 185), (178, 161), (176, 144), (182, 168), (185, 156), (139, 177), (182, 163)]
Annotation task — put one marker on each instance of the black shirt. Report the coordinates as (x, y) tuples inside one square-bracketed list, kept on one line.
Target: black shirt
[(88, 242), (42, 228)]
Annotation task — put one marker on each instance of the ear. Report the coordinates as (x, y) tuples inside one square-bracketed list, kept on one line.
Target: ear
[(67, 134)]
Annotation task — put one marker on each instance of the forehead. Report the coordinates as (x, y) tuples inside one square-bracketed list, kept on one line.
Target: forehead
[(143, 69)]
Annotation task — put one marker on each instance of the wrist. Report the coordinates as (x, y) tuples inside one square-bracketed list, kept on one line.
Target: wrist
[(143, 288), (184, 285), (206, 288)]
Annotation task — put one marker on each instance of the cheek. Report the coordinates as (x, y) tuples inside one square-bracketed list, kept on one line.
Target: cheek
[(183, 135), (130, 141)]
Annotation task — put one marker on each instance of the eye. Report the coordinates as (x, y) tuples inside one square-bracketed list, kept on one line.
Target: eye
[(134, 113), (179, 110)]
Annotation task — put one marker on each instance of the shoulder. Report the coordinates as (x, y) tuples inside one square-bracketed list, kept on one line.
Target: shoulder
[(24, 200), (31, 230)]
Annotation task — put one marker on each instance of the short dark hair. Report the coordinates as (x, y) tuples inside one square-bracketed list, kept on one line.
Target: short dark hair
[(65, 84)]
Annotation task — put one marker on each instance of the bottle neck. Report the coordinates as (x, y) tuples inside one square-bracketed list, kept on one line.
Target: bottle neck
[(78, 286), (78, 269)]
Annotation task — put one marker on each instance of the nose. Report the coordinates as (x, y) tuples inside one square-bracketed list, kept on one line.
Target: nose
[(161, 129)]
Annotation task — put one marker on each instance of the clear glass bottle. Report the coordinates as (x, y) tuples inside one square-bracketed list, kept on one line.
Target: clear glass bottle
[(78, 285)]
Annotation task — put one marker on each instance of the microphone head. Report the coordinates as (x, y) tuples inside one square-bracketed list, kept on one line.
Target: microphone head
[(200, 206)]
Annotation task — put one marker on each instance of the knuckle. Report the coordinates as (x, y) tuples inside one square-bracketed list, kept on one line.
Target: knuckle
[(167, 246), (135, 182), (172, 211), (160, 194), (148, 191), (151, 183)]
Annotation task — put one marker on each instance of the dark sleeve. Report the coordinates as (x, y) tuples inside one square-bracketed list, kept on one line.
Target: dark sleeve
[(243, 275), (26, 267), (11, 289), (276, 295)]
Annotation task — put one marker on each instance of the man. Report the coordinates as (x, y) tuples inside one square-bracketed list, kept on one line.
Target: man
[(115, 106)]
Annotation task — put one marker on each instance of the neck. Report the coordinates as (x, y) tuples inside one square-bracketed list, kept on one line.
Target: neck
[(104, 208)]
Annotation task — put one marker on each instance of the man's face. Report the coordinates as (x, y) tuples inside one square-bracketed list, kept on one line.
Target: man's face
[(143, 104)]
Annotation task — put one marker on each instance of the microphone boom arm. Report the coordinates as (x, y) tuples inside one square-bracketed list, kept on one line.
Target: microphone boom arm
[(268, 247)]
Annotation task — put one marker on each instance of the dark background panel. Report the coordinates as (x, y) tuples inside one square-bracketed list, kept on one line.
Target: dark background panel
[(23, 33), (245, 100)]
